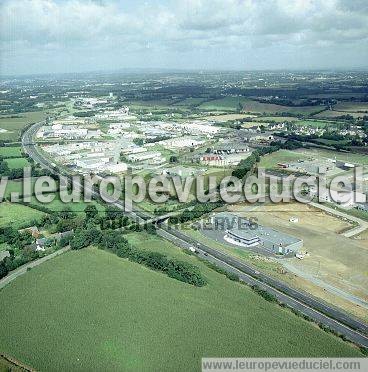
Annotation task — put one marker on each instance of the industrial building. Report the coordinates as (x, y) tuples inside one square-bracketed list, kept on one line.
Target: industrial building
[(245, 233)]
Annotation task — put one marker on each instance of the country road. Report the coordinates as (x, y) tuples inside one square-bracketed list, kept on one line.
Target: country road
[(336, 319), (23, 269)]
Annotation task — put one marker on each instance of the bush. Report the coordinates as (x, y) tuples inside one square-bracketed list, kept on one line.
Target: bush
[(228, 274), (84, 238), (3, 270), (185, 272), (64, 241), (267, 296)]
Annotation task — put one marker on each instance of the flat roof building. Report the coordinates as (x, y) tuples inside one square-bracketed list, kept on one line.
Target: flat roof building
[(243, 232)]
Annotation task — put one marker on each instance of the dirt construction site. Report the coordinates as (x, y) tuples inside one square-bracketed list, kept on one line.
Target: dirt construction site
[(334, 265)]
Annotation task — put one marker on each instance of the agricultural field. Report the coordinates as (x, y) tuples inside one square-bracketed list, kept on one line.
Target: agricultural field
[(282, 156), (17, 215), (330, 114), (277, 119), (158, 104), (57, 205), (269, 108), (132, 318), (329, 142), (13, 125), (10, 152), (248, 105), (227, 117), (16, 163), (222, 104), (16, 186), (190, 102), (352, 107)]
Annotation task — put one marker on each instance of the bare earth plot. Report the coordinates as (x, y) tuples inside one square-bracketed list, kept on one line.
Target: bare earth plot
[(338, 265)]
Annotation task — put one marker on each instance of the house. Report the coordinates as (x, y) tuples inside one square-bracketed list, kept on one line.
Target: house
[(43, 243), (33, 230)]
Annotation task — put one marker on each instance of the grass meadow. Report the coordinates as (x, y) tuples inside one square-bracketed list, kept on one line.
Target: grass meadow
[(90, 310), (232, 104), (14, 125), (11, 152), (16, 163), (281, 156), (58, 205), (17, 215)]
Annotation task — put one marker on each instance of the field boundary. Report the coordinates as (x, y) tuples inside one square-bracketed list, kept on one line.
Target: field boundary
[(16, 363)]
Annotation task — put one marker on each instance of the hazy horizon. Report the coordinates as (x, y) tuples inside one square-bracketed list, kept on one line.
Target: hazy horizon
[(85, 36)]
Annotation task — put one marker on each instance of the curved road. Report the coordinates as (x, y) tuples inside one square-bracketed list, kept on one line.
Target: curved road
[(24, 268), (337, 320)]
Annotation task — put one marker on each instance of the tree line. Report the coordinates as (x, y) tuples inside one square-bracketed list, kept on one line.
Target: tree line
[(113, 241)]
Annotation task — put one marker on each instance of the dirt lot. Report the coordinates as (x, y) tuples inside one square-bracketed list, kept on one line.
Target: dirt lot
[(336, 267)]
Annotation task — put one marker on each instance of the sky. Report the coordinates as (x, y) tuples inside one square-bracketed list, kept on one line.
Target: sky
[(54, 36)]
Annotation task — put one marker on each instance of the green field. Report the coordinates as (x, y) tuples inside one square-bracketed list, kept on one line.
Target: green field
[(10, 152), (329, 114), (13, 125), (16, 186), (17, 163), (90, 310), (57, 205), (232, 104), (222, 104), (191, 101), (352, 107), (281, 156), (17, 215)]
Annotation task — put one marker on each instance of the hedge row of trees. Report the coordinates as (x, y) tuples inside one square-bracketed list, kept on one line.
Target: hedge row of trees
[(113, 241), (196, 212), (247, 165)]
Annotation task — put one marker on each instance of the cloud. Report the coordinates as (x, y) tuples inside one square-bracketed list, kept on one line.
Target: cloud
[(44, 26)]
